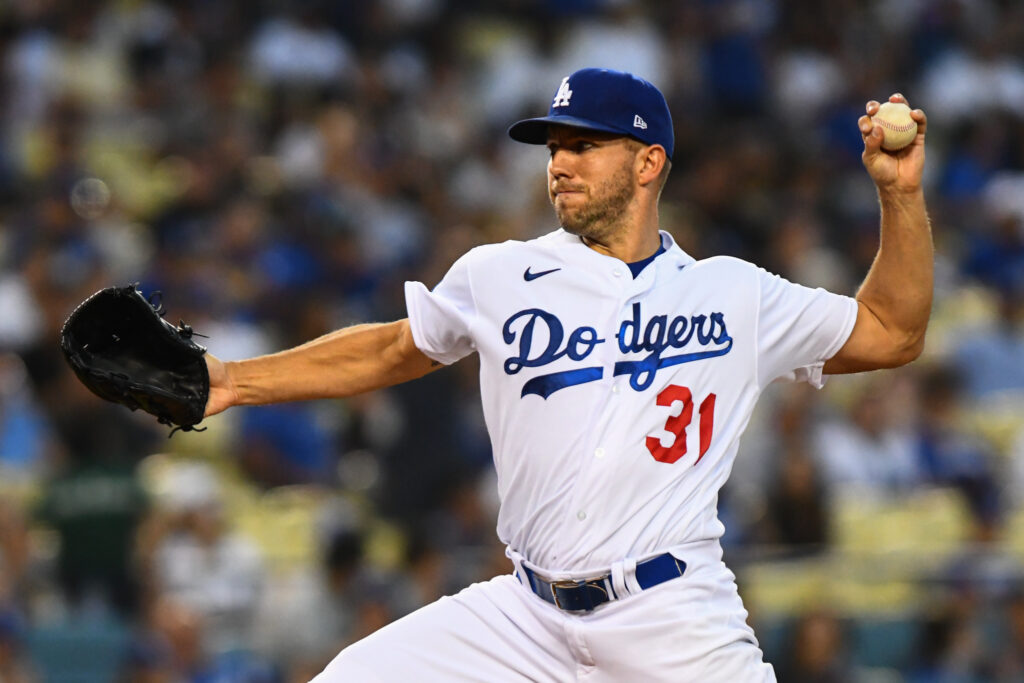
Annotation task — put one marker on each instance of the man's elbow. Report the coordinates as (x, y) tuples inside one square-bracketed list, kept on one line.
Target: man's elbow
[(906, 352)]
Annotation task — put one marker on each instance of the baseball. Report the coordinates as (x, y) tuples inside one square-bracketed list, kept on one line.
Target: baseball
[(897, 125)]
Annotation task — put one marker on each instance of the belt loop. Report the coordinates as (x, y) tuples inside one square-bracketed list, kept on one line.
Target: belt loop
[(629, 575), (619, 580), (517, 562)]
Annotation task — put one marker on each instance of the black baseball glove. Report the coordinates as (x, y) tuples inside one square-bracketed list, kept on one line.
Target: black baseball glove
[(122, 349)]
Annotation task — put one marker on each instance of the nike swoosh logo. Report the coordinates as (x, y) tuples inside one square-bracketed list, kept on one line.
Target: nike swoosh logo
[(527, 275)]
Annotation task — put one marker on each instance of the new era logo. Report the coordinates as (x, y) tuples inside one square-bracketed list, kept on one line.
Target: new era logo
[(639, 122), (563, 94)]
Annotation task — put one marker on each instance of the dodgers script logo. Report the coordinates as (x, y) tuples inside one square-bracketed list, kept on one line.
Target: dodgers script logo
[(703, 336)]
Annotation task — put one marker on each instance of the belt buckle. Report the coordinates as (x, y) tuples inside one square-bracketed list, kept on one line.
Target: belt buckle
[(563, 584)]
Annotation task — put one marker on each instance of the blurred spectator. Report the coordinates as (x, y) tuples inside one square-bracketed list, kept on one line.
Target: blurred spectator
[(1014, 481), (797, 515), (293, 443), (1010, 659), (995, 255), (194, 558), (991, 360), (22, 321), (299, 48), (312, 615), (148, 660), (949, 647), (950, 456), (425, 452), (735, 73), (25, 437), (14, 664), (288, 444), (170, 649), (623, 39), (427, 576), (817, 651), (781, 424), (14, 554), (868, 451), (973, 69), (96, 504)]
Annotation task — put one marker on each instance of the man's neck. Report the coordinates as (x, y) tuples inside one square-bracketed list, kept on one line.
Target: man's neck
[(629, 246)]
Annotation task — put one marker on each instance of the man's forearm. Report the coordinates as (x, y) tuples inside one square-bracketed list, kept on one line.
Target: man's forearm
[(898, 287), (342, 363)]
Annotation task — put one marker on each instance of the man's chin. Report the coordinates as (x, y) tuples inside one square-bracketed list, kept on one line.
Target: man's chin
[(577, 228), (572, 227)]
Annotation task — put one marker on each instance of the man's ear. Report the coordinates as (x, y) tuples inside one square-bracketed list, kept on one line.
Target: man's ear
[(650, 162)]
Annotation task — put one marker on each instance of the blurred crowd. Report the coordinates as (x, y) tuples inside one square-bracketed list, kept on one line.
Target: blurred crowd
[(278, 169)]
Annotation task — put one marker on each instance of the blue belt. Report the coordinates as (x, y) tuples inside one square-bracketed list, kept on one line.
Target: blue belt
[(585, 595)]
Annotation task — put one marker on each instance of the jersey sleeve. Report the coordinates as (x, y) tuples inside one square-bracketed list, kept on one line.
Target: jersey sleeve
[(798, 329), (442, 319)]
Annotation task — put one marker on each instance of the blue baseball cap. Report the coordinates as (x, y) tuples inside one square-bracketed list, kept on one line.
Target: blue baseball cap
[(605, 100)]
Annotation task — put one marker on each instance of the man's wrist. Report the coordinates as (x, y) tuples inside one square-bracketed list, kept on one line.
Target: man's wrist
[(231, 373), (900, 194)]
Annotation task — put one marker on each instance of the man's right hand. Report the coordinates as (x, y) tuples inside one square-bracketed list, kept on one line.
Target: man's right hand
[(896, 172), (223, 393)]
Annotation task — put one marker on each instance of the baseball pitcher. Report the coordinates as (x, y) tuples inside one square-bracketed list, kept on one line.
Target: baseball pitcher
[(617, 374)]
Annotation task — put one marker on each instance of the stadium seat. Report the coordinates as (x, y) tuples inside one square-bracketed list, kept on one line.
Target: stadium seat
[(78, 651)]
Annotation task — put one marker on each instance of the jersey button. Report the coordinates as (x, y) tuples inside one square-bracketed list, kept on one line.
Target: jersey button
[(617, 273), (581, 515), (599, 453), (615, 389)]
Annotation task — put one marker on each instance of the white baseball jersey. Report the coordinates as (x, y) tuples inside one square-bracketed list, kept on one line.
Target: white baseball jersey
[(614, 404)]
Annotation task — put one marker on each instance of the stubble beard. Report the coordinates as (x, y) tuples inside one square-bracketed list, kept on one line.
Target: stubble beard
[(599, 218)]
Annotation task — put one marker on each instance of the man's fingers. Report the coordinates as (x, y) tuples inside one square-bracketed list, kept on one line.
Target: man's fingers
[(871, 108), (921, 118), (865, 125), (873, 141), (871, 133)]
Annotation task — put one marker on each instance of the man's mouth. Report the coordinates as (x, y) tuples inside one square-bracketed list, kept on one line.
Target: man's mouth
[(566, 190)]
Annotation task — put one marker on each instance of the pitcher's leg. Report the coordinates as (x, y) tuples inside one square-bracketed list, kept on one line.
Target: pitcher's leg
[(692, 628), (488, 632)]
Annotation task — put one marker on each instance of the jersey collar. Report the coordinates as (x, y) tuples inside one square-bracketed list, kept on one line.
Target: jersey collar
[(673, 253)]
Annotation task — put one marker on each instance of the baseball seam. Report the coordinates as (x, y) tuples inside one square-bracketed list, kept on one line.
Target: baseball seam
[(893, 127)]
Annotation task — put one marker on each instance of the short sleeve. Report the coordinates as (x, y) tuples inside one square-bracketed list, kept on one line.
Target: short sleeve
[(442, 319), (798, 329)]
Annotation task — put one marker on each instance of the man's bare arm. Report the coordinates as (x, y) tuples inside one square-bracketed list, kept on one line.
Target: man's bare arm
[(343, 363), (894, 303)]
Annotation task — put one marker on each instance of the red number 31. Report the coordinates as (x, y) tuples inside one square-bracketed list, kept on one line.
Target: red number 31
[(677, 424)]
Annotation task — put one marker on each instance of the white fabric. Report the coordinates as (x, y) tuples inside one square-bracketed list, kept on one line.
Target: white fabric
[(579, 486), (583, 369), (688, 629), (629, 575)]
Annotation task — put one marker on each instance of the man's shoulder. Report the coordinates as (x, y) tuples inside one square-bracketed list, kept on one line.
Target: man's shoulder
[(488, 254), (725, 266)]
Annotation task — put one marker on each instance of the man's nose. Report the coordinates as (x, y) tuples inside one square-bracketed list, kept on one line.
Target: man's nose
[(560, 165)]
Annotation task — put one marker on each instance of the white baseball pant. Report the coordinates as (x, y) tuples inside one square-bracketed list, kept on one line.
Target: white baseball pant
[(692, 628)]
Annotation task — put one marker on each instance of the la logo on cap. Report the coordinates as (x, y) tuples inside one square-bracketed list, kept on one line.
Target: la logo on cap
[(563, 94)]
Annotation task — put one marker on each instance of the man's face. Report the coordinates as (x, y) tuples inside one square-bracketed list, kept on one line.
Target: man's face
[(591, 179)]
